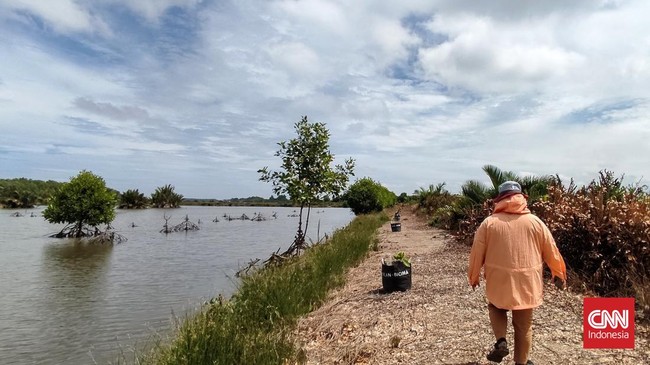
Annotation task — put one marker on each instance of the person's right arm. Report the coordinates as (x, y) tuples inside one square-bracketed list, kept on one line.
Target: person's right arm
[(477, 256)]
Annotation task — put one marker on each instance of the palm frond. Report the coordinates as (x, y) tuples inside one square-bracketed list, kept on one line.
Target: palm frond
[(475, 191)]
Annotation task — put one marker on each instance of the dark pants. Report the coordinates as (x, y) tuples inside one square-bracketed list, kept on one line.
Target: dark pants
[(522, 321)]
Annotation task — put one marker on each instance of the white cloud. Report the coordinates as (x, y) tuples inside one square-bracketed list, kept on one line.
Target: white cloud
[(329, 15), (296, 68), (392, 39), (417, 91), (485, 56), (46, 92), (63, 16), (353, 36), (296, 58)]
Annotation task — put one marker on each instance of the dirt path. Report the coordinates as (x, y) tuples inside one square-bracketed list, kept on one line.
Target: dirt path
[(440, 320)]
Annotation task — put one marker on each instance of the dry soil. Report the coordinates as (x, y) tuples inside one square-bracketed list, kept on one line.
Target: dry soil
[(440, 320)]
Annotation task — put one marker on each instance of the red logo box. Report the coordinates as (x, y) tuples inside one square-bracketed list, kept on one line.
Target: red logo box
[(608, 323)]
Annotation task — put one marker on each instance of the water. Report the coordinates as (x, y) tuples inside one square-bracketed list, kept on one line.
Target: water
[(63, 302)]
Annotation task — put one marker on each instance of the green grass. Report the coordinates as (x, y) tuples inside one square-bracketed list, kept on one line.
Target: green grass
[(255, 325)]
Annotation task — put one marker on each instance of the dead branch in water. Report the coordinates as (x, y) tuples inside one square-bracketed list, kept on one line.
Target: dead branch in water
[(93, 234), (166, 228), (247, 269), (185, 225)]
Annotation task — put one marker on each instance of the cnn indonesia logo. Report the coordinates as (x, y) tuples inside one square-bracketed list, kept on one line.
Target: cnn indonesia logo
[(608, 323)]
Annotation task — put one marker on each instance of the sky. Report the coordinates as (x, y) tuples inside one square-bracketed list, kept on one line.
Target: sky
[(197, 94)]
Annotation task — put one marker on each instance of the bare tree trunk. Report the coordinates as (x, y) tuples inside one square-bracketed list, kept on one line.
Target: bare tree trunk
[(307, 220), (300, 237), (79, 229)]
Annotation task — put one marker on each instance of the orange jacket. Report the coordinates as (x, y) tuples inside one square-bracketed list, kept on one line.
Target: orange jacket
[(513, 244)]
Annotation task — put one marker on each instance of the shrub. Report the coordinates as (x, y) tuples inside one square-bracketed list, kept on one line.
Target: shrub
[(133, 199), (367, 196), (432, 198), (464, 213), (166, 197), (449, 216), (603, 232), (471, 217), (83, 203), (403, 198)]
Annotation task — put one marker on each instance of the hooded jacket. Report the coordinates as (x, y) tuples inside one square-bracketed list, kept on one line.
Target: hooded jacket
[(513, 245)]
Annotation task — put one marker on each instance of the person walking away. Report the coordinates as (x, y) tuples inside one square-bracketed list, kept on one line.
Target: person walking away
[(512, 246)]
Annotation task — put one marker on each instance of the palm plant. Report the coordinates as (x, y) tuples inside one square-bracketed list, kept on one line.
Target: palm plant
[(536, 187), (133, 199), (433, 198), (165, 197), (498, 177), (467, 213), (476, 193)]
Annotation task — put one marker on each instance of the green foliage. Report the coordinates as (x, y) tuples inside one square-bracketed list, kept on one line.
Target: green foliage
[(367, 196), (401, 256), (403, 198), (254, 327), (165, 197), (431, 199), (498, 177), (280, 198), (306, 174), (445, 209), (133, 199), (465, 213), (476, 193), (450, 215), (26, 193), (16, 198), (84, 200)]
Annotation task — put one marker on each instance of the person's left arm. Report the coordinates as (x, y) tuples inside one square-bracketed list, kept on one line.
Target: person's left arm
[(551, 255)]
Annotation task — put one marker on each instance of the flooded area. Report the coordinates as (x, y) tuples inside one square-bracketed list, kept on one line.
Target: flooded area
[(69, 303)]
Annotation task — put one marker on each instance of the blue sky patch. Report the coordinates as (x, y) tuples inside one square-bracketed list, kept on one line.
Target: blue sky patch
[(600, 112)]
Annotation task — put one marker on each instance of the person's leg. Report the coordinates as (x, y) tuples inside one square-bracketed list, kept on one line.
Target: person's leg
[(499, 322), (522, 321)]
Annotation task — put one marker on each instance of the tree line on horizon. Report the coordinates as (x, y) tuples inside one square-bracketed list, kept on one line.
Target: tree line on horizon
[(24, 193), (602, 228)]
